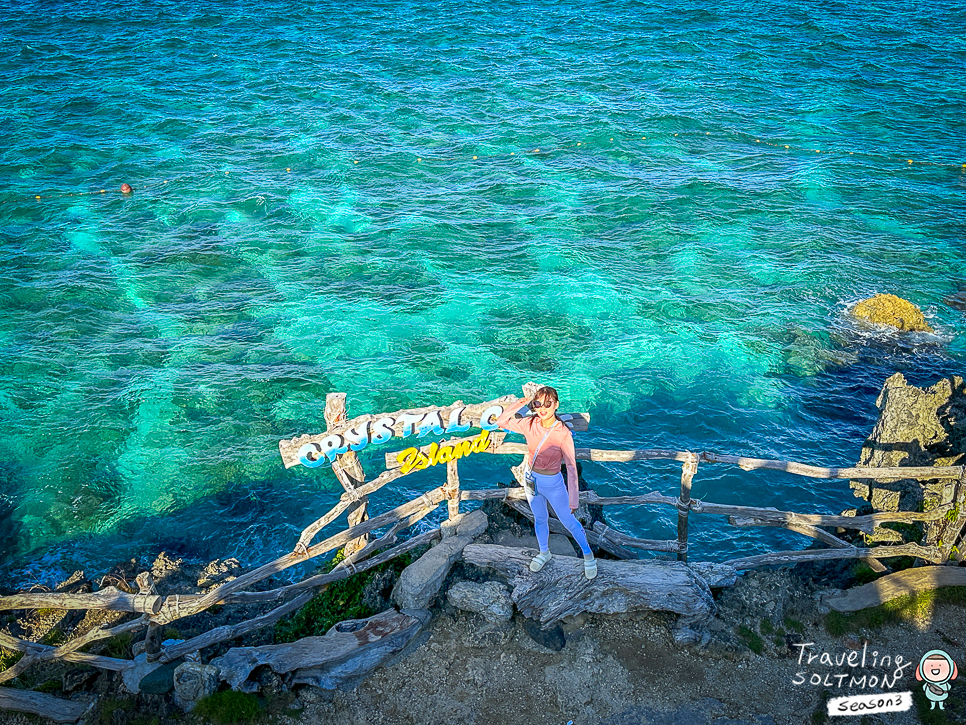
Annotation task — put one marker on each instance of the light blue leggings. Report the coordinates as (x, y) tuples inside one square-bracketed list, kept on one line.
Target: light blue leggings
[(554, 490)]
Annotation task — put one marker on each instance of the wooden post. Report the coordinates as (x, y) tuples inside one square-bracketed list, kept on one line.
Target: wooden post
[(106, 598), (47, 706), (152, 640), (348, 470), (452, 490), (688, 469)]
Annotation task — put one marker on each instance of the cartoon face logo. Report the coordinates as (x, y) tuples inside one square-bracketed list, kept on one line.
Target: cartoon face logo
[(935, 670)]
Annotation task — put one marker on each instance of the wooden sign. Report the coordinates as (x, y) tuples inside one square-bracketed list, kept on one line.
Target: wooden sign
[(356, 434), (313, 451), (416, 459)]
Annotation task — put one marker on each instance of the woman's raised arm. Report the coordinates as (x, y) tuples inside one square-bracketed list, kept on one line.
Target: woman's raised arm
[(507, 421)]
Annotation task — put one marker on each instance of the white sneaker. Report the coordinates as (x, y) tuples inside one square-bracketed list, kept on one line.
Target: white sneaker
[(539, 560), (590, 567)]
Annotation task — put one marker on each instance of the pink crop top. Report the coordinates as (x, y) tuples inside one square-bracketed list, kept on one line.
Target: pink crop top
[(559, 447)]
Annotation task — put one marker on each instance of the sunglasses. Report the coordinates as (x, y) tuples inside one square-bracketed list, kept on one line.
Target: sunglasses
[(538, 404)]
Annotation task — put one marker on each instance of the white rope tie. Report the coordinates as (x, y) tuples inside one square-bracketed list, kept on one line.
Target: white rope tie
[(603, 532)]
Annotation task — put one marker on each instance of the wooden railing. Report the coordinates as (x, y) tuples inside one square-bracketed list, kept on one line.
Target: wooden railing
[(362, 552)]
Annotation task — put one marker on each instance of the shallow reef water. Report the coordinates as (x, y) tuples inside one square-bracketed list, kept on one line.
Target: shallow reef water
[(664, 210)]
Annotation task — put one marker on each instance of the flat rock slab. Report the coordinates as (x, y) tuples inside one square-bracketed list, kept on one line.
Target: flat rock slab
[(159, 681), (138, 670), (490, 599), (470, 524), (419, 582), (560, 588), (559, 544), (347, 652)]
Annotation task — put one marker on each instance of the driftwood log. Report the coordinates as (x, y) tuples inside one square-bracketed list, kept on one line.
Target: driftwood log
[(604, 455), (368, 642), (319, 580), (346, 500), (152, 638), (230, 631), (880, 552), (757, 516), (38, 703), (716, 575), (452, 491), (749, 464), (218, 594), (344, 570), (348, 469), (611, 536), (895, 585), (34, 652), (560, 588), (106, 598), (896, 472), (865, 524), (688, 470), (806, 530)]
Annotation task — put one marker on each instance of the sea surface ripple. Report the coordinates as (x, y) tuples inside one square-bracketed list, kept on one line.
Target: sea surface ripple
[(663, 209)]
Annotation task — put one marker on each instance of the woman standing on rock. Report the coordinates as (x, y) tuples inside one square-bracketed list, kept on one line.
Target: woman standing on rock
[(549, 442)]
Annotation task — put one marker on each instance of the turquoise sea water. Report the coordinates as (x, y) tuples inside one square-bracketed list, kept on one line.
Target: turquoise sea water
[(663, 209)]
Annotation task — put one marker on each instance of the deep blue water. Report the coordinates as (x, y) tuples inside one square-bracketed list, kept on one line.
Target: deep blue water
[(663, 209)]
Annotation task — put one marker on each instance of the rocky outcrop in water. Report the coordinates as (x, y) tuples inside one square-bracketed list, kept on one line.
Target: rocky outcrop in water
[(917, 427), (893, 311), (957, 300)]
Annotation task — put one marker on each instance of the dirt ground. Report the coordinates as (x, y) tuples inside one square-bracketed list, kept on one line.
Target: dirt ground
[(628, 671)]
